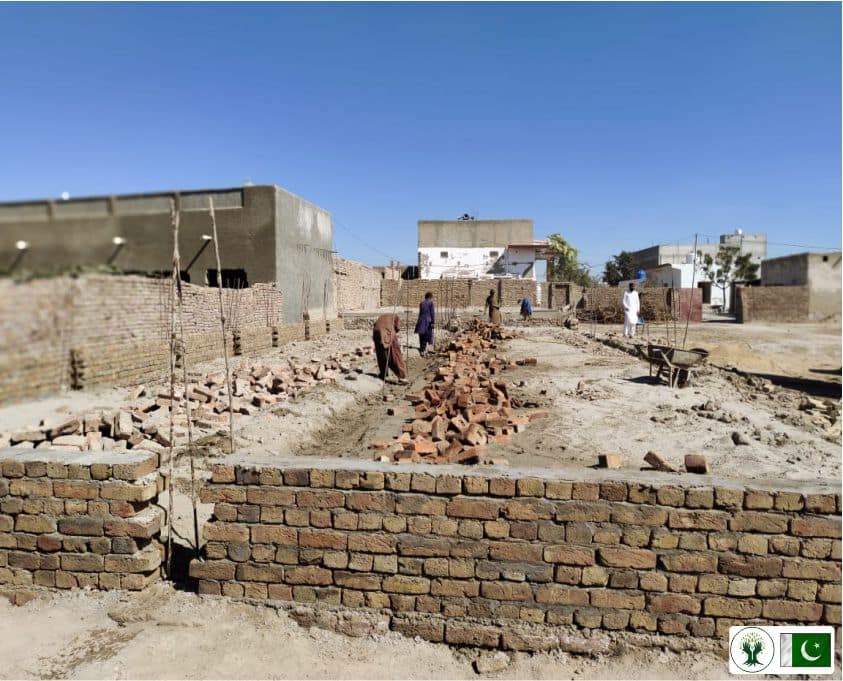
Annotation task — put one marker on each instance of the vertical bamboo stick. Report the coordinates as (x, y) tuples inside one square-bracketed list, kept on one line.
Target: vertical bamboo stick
[(174, 223)]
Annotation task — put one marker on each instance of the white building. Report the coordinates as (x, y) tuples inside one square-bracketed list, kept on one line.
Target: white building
[(477, 249)]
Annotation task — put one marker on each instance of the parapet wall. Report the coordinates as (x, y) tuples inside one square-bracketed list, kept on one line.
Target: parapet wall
[(484, 557), (69, 519)]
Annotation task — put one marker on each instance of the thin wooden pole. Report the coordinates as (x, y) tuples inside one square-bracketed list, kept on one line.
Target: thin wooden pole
[(222, 328), (691, 302), (174, 223)]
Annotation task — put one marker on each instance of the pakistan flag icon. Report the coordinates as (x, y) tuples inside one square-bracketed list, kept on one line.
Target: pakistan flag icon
[(805, 650)]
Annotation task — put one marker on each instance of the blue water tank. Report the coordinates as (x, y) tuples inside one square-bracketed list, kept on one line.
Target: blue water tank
[(642, 274)]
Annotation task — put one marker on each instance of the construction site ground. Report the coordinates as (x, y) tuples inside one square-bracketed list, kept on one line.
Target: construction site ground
[(599, 399)]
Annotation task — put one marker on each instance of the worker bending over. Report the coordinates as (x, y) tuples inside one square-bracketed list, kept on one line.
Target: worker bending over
[(387, 347)]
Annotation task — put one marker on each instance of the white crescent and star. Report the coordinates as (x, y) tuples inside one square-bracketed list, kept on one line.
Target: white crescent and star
[(804, 652)]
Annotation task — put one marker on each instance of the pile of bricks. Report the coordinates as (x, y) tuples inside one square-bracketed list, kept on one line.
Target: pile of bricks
[(464, 408), (145, 423), (79, 520)]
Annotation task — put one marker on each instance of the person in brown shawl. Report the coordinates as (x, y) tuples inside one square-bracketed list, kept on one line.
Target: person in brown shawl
[(387, 347), (494, 306)]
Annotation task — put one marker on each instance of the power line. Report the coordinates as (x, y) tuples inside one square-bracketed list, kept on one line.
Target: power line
[(364, 242)]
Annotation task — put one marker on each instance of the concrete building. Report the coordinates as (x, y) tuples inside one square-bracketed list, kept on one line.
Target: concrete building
[(683, 275), (266, 235), (677, 254), (820, 273), (450, 249)]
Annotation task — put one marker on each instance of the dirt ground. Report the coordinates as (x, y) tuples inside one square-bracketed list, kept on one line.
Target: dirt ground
[(600, 399), (164, 633)]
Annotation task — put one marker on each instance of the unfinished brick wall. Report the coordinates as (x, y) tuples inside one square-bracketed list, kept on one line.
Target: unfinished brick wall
[(71, 520), (356, 286), (773, 304), (70, 332), (459, 293), (472, 556), (656, 303)]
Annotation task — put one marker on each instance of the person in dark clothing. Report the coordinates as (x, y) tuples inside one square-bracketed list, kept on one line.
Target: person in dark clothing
[(526, 309), (494, 307), (387, 347), (424, 325)]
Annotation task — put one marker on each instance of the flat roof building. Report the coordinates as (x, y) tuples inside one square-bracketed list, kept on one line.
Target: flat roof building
[(266, 235)]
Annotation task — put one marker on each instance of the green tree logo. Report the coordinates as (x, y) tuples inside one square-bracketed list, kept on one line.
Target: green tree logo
[(752, 646)]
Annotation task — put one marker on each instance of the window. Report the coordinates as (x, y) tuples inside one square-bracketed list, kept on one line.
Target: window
[(494, 254), (825, 258), (443, 254), (234, 278)]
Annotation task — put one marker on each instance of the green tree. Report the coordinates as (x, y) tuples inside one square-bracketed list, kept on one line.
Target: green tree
[(619, 268), (564, 264), (728, 267)]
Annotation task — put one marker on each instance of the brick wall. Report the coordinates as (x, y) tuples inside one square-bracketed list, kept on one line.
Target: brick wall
[(459, 293), (471, 556), (656, 303), (69, 519), (773, 304), (114, 330), (356, 286)]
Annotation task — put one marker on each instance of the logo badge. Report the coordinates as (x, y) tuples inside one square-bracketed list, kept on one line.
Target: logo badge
[(752, 649)]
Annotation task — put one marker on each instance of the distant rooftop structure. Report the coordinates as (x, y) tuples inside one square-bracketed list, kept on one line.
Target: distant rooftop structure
[(677, 254)]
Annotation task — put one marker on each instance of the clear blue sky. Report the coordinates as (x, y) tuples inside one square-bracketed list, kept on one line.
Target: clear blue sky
[(618, 125)]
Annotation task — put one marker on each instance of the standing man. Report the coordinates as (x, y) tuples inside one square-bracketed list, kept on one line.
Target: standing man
[(526, 309), (631, 308), (424, 325), (494, 307), (387, 347)]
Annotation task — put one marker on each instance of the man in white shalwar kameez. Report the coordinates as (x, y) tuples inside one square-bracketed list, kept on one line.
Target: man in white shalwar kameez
[(631, 308)]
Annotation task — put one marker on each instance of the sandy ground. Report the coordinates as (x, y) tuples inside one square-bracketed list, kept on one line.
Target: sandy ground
[(163, 633), (600, 399)]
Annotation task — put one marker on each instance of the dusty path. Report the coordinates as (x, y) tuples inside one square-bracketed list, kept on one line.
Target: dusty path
[(163, 633)]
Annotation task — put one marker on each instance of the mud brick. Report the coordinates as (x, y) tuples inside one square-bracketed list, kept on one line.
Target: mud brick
[(555, 489), (37, 524), (517, 551), (448, 484), (613, 490), (674, 603), (475, 485), (715, 584), (403, 584), (130, 491), (640, 536), (626, 557), (72, 507), (799, 568), (426, 629), (560, 595), (698, 520), (321, 478), (386, 564), (7, 522), (814, 503), (77, 544), (347, 479), (419, 504), (529, 509), (663, 539), (133, 471), (24, 560), (466, 507), (526, 531), (342, 520), (588, 618), (122, 545), (752, 543), (788, 546), (396, 524), (793, 611), (357, 581), (248, 513), (31, 488), (35, 469), (56, 470), (422, 482), (98, 508), (741, 608), (670, 496), (471, 529), (689, 562), (625, 579), (266, 535), (297, 478), (382, 502), (723, 541), (506, 591), (595, 576), (757, 500), (320, 499), (829, 593), (145, 560), (652, 581), (832, 614), (530, 487), (836, 550), (693, 541), (569, 555), (816, 527), (547, 531), (261, 572), (445, 527), (11, 505), (579, 511), (81, 525), (455, 588), (214, 550), (362, 562), (699, 497), (398, 482), (323, 539), (76, 471), (643, 620), (221, 473), (422, 547), (49, 543), (82, 562), (229, 532), (101, 545), (239, 552), (641, 494), (372, 543), (474, 635), (771, 588), (286, 555), (788, 501), (610, 598), (585, 491), (266, 495), (750, 566), (144, 525), (754, 521), (295, 517), (121, 509), (816, 548), (802, 590), (13, 469)]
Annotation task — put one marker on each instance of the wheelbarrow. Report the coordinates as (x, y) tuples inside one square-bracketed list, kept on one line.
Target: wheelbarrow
[(677, 363)]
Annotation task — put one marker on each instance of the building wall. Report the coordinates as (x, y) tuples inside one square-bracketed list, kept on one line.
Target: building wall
[(785, 304), (473, 233), (520, 559), (356, 286), (495, 261), (93, 330), (79, 232), (457, 293), (303, 258), (824, 276)]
